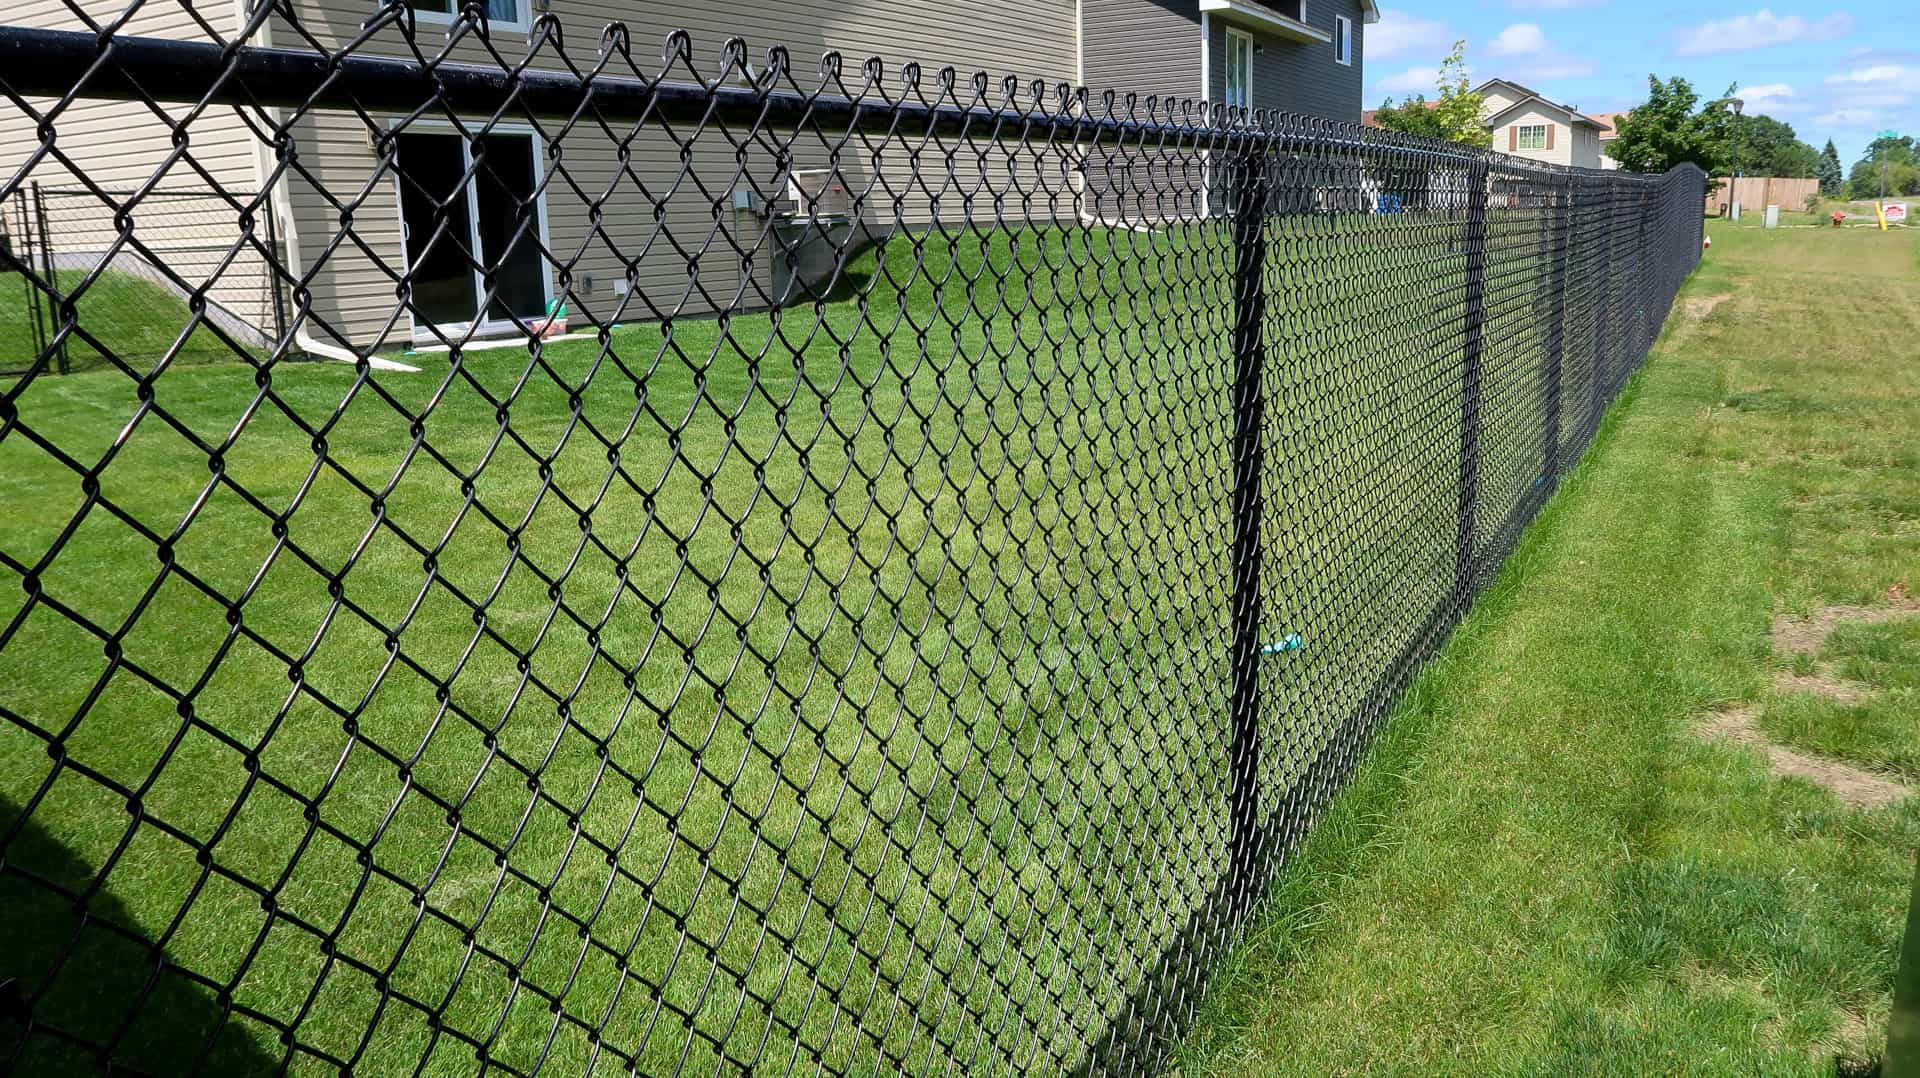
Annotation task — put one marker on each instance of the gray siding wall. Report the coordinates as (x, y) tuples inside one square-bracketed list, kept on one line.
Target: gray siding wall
[(1143, 47), (1295, 77), (1147, 48)]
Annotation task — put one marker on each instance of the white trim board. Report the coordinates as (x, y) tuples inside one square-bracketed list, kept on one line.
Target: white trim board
[(1266, 19)]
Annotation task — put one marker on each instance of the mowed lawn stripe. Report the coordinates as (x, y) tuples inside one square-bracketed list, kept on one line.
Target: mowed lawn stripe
[(1542, 868), (889, 660)]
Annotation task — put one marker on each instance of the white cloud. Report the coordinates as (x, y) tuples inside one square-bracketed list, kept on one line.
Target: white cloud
[(1553, 5), (1531, 57), (1847, 118), (1412, 80), (1398, 33), (1875, 95), (1881, 73), (1879, 76), (1559, 65), (1774, 98), (1881, 54), (1758, 30), (1520, 39)]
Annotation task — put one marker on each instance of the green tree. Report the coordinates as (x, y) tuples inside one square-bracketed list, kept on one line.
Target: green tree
[(1897, 158), (1668, 130), (1415, 116), (1458, 115), (1766, 147), (1463, 113), (1832, 180)]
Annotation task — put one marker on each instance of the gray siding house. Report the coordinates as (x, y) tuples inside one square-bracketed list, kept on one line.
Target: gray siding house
[(1301, 57)]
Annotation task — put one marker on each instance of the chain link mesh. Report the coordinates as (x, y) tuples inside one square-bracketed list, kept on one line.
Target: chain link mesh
[(770, 572)]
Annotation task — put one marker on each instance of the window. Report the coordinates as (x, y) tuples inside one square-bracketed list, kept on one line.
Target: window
[(1530, 137), (1343, 40), (1239, 89), (500, 13)]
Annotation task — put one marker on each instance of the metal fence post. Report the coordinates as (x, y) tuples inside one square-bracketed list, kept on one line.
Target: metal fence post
[(47, 270), (1556, 329), (1249, 407), (24, 245), (1602, 314), (1475, 239)]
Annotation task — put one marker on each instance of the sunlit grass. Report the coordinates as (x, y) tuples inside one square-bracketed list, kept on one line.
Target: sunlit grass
[(843, 685), (1542, 869)]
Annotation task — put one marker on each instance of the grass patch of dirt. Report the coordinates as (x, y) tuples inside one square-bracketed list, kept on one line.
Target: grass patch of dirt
[(1804, 635), (1853, 786)]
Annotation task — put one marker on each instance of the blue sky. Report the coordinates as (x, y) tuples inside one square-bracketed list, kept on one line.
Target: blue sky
[(1830, 71)]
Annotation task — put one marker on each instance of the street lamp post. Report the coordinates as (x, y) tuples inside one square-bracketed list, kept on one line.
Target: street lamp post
[(1733, 196), (1880, 146)]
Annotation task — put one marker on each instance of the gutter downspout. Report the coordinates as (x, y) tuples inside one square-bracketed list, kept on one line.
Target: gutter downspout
[(1206, 87), (282, 204)]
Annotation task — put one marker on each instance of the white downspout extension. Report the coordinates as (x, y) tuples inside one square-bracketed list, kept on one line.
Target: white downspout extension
[(1078, 181), (282, 205), (1206, 60), (1206, 48)]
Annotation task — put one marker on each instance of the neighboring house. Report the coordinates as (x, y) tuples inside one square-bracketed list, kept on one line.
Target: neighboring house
[(1304, 58), (1526, 124), (1609, 130)]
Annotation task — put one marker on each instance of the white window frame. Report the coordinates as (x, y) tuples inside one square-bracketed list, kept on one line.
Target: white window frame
[(424, 332), (521, 22), (1226, 70), (1520, 136), (1343, 41)]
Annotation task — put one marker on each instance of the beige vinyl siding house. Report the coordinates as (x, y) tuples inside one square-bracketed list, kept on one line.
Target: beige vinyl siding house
[(342, 214), (623, 266), (121, 146), (355, 208), (1528, 125)]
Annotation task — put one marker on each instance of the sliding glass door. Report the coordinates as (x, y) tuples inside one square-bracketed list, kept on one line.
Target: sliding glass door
[(458, 231)]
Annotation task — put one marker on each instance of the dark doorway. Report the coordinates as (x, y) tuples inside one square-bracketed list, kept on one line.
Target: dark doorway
[(464, 238)]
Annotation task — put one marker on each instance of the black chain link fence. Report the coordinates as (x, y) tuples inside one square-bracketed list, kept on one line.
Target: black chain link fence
[(792, 574), (131, 262)]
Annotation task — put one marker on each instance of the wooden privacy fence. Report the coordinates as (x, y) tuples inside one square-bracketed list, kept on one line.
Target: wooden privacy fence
[(1759, 192)]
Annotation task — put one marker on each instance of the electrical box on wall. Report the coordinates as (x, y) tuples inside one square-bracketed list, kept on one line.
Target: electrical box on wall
[(619, 286)]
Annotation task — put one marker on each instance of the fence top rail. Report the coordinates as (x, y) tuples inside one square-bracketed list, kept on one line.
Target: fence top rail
[(77, 64), (157, 193)]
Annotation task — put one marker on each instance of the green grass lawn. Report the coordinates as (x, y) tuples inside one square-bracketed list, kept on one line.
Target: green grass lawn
[(133, 318), (1543, 868), (846, 689)]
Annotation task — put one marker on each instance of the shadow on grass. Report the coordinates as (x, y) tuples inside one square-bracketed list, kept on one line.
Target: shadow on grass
[(76, 977)]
